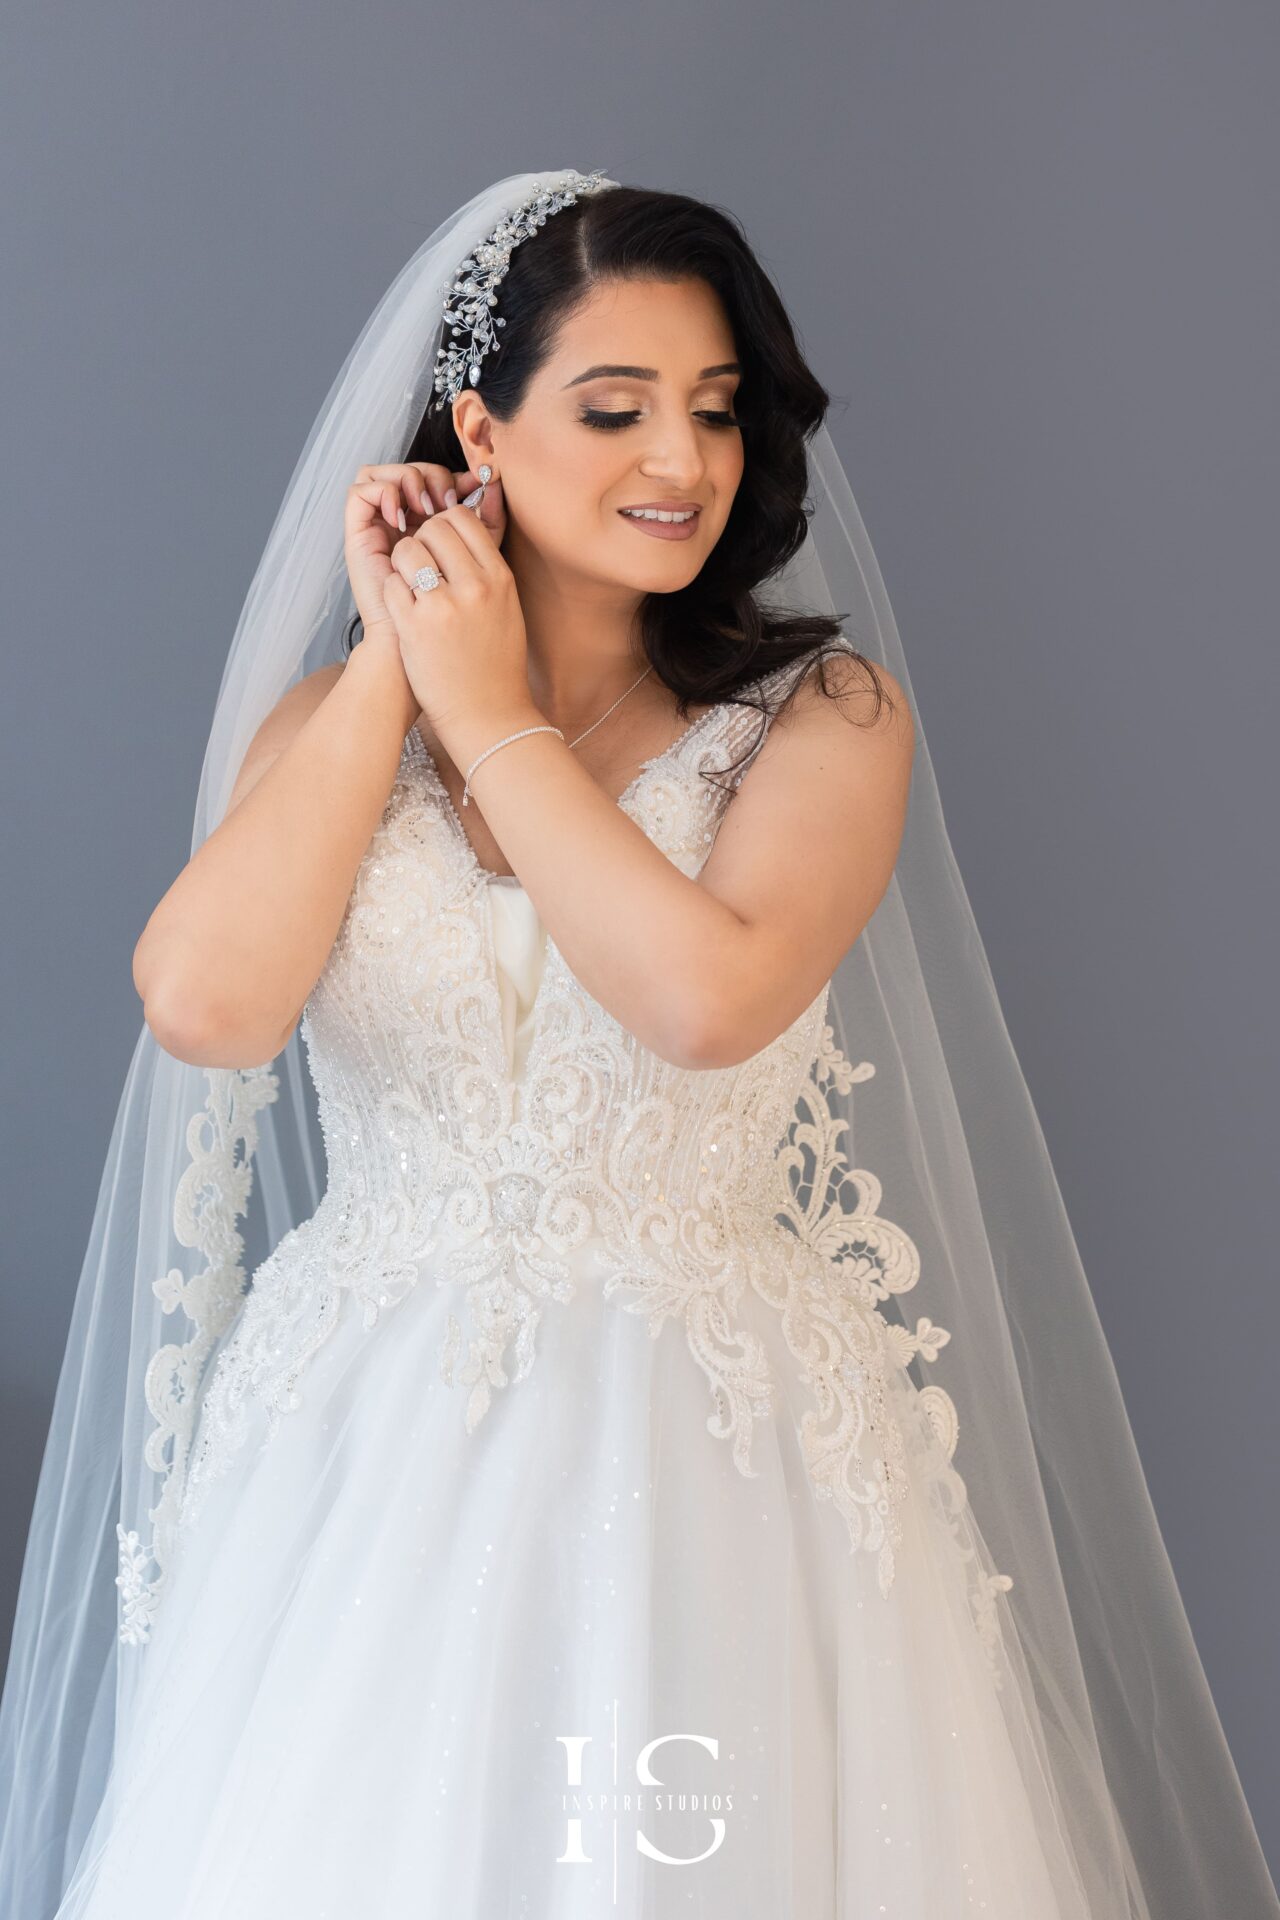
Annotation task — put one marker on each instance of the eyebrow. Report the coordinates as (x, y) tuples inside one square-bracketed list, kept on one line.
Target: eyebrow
[(646, 373)]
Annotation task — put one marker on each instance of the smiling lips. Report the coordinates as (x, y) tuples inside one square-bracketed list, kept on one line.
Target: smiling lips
[(666, 527)]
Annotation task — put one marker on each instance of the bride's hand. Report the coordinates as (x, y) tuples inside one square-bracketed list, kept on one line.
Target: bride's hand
[(380, 497), (463, 643)]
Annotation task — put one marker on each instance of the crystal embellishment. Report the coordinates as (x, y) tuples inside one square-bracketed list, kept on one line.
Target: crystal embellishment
[(469, 316), (515, 1200)]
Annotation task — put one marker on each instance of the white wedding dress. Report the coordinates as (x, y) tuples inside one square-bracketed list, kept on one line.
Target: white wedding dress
[(567, 1425)]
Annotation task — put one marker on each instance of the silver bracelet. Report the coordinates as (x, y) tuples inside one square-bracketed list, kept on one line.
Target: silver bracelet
[(494, 748)]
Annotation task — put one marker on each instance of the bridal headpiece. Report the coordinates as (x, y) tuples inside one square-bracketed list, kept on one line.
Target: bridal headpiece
[(480, 275), (918, 1077)]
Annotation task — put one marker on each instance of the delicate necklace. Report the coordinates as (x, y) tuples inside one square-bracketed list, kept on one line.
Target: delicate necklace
[(548, 729), (608, 710)]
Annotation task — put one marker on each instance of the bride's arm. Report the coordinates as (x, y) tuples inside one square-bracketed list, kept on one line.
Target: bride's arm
[(230, 953), (803, 857), (707, 971)]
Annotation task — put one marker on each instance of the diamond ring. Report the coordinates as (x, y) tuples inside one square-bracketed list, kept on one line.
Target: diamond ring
[(426, 578)]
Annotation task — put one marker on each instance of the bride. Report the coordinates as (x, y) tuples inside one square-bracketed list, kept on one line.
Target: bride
[(665, 1456)]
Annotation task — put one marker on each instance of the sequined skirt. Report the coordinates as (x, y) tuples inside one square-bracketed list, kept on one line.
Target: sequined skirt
[(574, 1662)]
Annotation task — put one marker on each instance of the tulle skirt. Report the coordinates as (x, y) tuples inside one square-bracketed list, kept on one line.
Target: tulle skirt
[(571, 1664)]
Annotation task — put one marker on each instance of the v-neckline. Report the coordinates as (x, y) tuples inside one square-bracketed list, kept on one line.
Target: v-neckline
[(482, 879), (621, 801)]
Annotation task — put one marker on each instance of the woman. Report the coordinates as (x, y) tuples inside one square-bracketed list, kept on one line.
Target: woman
[(564, 1517)]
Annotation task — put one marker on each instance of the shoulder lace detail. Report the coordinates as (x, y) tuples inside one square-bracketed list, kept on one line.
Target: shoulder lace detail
[(212, 1195)]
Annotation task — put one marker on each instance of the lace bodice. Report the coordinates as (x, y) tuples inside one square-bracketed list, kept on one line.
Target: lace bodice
[(491, 1125)]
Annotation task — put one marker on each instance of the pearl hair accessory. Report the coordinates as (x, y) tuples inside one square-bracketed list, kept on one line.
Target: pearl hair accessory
[(481, 273)]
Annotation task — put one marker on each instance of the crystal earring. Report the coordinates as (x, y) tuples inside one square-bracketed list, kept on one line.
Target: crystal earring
[(476, 498)]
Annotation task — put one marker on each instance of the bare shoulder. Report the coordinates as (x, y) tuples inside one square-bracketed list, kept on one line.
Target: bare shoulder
[(830, 784), (838, 751), (844, 696), (844, 743), (291, 711)]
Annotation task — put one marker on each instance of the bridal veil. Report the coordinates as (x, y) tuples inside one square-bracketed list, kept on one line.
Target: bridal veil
[(203, 1163)]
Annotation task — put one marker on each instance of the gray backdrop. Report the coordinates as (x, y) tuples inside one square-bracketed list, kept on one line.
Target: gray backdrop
[(1031, 251)]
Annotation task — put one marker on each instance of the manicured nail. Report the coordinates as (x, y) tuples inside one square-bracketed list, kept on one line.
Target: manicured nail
[(451, 497), (400, 519)]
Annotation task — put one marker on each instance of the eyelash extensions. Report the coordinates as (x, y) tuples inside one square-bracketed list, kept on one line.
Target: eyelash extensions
[(610, 422)]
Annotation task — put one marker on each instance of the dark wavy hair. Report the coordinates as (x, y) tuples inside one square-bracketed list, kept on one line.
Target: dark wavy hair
[(710, 640)]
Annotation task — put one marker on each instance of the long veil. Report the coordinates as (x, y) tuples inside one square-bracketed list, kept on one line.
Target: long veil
[(205, 1168)]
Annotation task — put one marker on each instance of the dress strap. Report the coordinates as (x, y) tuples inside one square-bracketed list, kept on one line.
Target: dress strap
[(744, 724)]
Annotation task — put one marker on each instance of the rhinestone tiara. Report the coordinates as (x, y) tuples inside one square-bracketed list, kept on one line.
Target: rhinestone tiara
[(474, 294)]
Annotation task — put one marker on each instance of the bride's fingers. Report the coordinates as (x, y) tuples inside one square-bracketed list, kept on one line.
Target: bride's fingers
[(435, 481), (408, 555), (382, 496), (488, 511), (456, 537), (437, 543), (386, 502), (478, 535), (421, 483), (415, 480)]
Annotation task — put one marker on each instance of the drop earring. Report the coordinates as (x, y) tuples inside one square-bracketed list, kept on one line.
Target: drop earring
[(475, 499)]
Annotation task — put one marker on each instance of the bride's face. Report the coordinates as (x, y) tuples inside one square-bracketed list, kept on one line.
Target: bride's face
[(635, 405)]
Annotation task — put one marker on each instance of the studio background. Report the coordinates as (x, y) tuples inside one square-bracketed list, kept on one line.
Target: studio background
[(1030, 251)]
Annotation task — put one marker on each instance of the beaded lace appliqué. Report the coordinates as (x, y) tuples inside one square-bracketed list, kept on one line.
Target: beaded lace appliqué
[(684, 1187), (212, 1195)]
